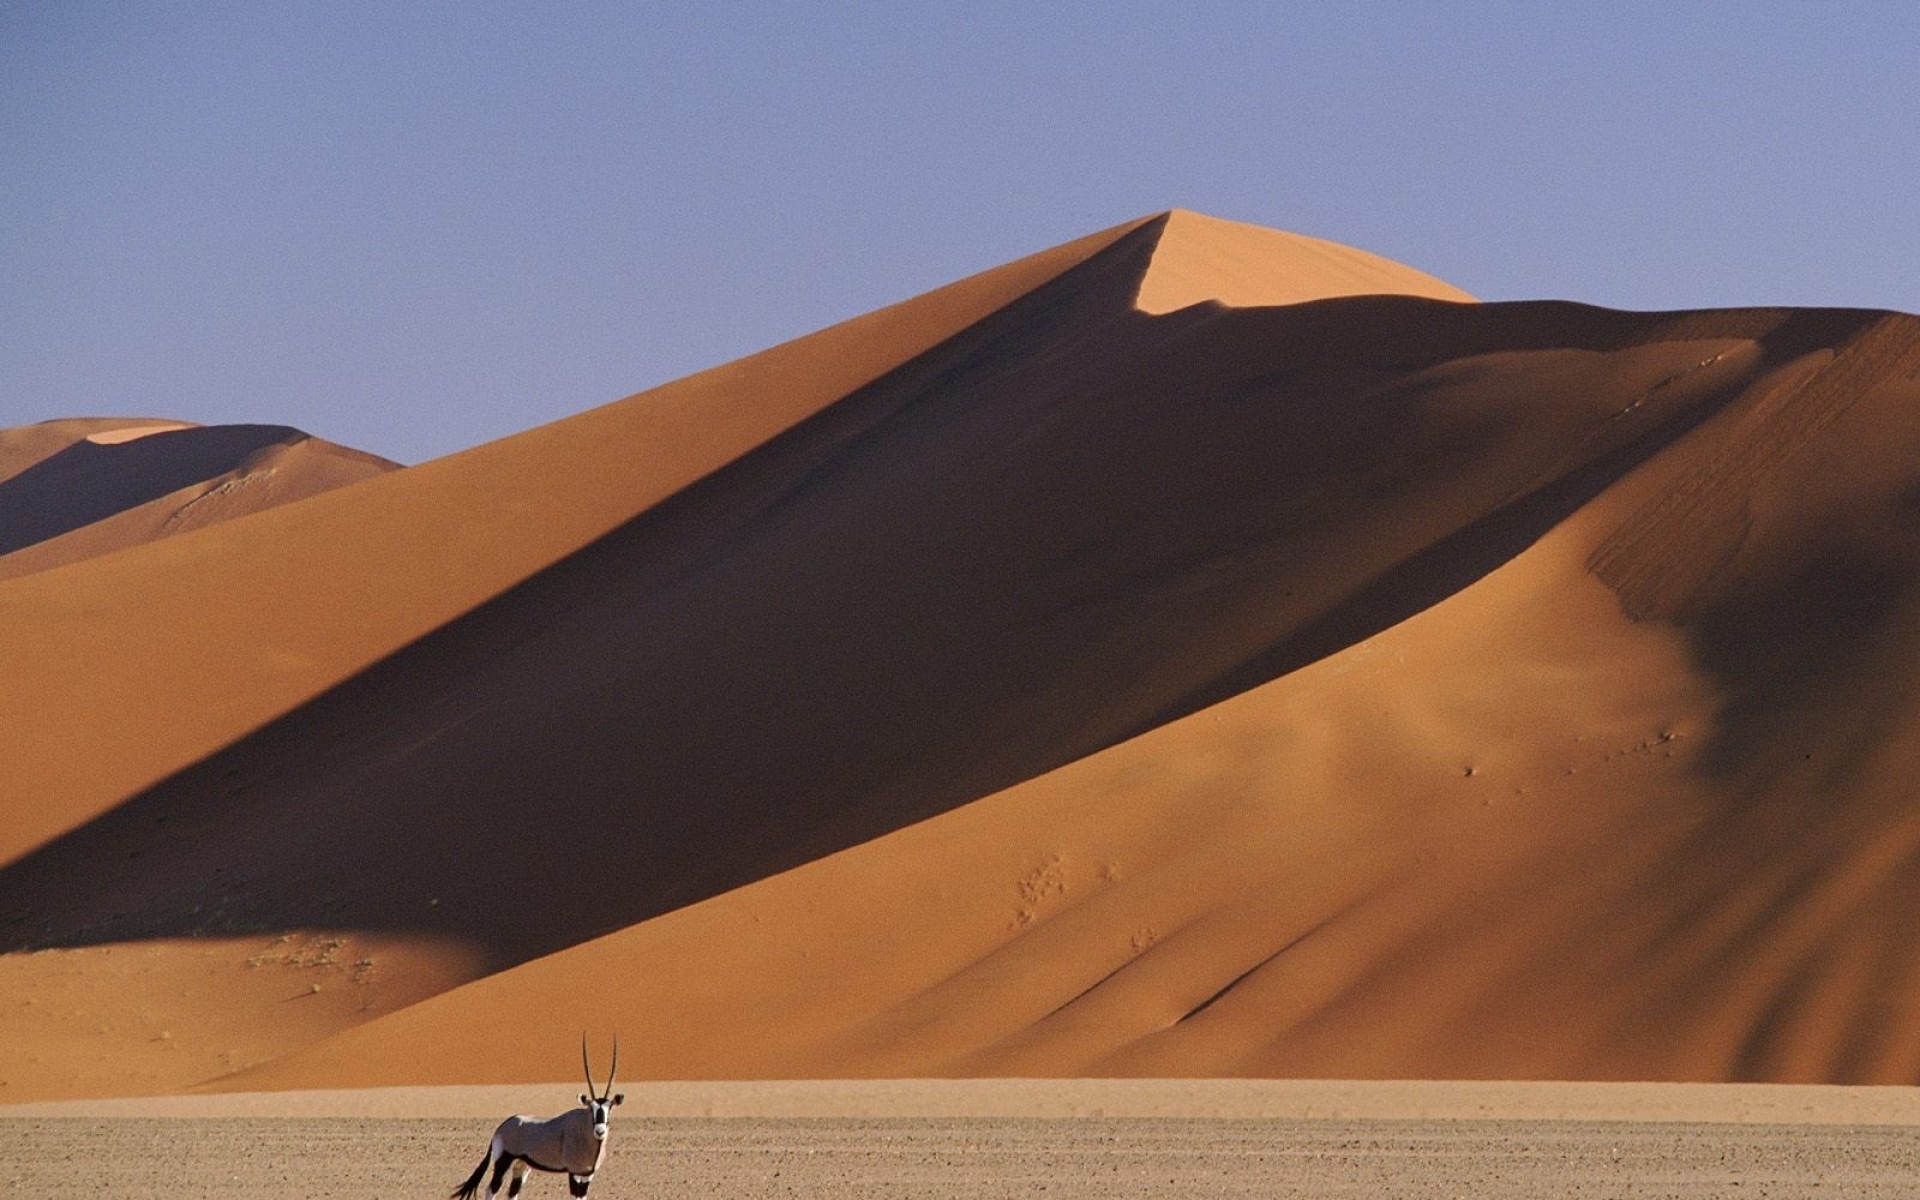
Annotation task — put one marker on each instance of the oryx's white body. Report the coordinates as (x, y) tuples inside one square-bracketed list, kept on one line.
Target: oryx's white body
[(574, 1142), (565, 1143)]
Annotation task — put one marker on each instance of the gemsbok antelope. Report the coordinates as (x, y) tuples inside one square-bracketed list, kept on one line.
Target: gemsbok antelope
[(573, 1142)]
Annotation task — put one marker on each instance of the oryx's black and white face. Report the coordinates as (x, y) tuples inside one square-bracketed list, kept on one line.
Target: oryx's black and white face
[(599, 1107), (600, 1103)]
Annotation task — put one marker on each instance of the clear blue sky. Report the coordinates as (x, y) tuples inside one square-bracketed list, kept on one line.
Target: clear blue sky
[(413, 227)]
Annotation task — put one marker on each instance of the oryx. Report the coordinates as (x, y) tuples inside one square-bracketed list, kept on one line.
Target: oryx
[(574, 1142)]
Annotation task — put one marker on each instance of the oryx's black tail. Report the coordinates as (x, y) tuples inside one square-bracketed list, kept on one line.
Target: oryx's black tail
[(471, 1188)]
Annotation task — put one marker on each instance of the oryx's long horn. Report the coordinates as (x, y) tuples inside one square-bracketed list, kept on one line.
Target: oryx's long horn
[(585, 1063), (615, 1069)]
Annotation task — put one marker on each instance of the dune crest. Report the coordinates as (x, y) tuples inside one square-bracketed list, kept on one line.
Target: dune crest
[(128, 433), (1201, 258)]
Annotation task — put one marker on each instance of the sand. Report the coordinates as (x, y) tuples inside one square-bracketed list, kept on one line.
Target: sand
[(78, 489), (1193, 651), (1059, 1099), (182, 646), (983, 1158), (1201, 260), (996, 1137)]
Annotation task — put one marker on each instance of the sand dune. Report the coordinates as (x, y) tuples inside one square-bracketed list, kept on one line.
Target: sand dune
[(1199, 259), (1195, 651), (71, 490), (253, 620)]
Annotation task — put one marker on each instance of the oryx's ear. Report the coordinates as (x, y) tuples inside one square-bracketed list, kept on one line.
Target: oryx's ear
[(619, 1097), (583, 1099)]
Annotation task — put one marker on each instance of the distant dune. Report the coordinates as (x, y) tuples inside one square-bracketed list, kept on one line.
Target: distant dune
[(76, 489), (1192, 651)]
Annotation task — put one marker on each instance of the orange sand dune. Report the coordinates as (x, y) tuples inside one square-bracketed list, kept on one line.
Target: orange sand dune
[(173, 651), (22, 446), (1200, 258), (182, 646), (80, 488), (1121, 683), (1518, 835)]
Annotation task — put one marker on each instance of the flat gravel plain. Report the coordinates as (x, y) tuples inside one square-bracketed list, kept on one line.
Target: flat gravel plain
[(975, 1158)]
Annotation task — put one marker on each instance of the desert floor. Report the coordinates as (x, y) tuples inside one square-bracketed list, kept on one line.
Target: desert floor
[(932, 1139)]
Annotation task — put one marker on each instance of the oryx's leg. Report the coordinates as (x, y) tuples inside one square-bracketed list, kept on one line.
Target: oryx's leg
[(520, 1171), (501, 1166), (578, 1184)]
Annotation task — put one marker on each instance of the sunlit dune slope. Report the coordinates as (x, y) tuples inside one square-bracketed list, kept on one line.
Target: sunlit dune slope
[(125, 669), (1566, 822), (140, 664), (977, 568), (1200, 258), (23, 446), (76, 489), (1377, 686)]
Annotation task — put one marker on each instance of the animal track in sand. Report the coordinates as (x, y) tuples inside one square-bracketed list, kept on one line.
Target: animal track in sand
[(1038, 886)]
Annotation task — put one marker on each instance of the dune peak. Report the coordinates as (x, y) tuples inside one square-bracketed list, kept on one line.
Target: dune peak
[(1201, 258), (132, 433)]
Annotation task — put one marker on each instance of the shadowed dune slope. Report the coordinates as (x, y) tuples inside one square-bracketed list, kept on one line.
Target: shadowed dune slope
[(1060, 528), (1373, 686), (76, 489), (141, 663), (1562, 823), (125, 669)]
